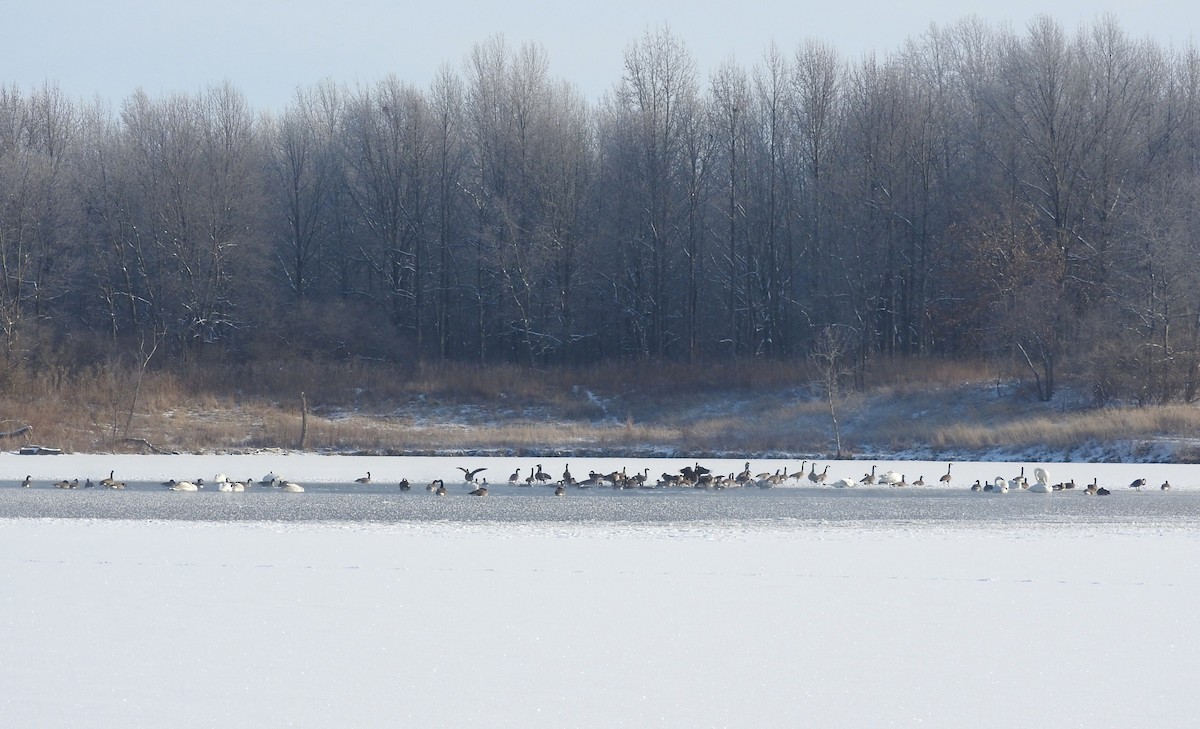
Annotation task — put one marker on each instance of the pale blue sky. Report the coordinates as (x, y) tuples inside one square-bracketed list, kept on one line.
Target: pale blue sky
[(269, 47)]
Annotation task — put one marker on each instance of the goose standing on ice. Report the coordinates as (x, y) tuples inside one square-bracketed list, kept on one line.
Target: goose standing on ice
[(946, 478), (869, 478), (1138, 484)]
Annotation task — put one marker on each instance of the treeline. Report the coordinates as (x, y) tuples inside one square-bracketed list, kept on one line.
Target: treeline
[(1027, 195)]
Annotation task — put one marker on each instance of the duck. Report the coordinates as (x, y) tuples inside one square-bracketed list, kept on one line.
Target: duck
[(364, 479)]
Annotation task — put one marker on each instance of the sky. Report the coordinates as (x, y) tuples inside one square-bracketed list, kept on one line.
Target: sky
[(268, 48)]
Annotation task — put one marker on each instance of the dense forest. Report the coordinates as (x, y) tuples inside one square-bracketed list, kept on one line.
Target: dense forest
[(1027, 195)]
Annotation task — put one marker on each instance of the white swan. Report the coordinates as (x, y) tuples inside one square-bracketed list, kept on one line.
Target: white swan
[(1001, 485), (1040, 475), (270, 479), (292, 488), (843, 483), (224, 486), (184, 486), (891, 478)]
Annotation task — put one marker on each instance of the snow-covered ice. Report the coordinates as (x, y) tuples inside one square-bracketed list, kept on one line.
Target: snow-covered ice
[(353, 605)]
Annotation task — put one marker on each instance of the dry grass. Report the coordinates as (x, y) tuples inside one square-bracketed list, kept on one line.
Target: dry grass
[(1072, 430), (359, 406)]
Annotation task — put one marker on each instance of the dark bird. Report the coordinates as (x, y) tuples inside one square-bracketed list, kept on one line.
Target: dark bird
[(946, 478), (364, 479), (1138, 484), (470, 474), (404, 486), (1166, 486), (560, 491), (28, 480), (481, 491)]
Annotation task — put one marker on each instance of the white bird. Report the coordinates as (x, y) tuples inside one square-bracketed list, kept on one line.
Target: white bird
[(1041, 476), (225, 486), (891, 478), (843, 483), (184, 486), (270, 479), (292, 488), (1019, 482), (1001, 485)]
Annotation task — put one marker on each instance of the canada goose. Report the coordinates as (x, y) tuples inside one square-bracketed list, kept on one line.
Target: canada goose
[(869, 478), (560, 491), (946, 478), (516, 476), (1166, 486), (1019, 481), (541, 475), (115, 485), (977, 486), (63, 484), (291, 488), (1092, 487), (481, 491), (567, 477), (109, 480), (812, 475), (441, 489), (798, 475), (920, 481), (28, 480), (1138, 484), (902, 482), (364, 479), (1102, 491), (470, 473), (404, 485), (88, 484)]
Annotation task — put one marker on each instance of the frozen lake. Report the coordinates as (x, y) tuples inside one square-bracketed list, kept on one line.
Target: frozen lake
[(359, 605)]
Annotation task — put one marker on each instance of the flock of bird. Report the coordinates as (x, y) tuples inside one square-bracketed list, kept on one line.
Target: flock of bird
[(696, 476)]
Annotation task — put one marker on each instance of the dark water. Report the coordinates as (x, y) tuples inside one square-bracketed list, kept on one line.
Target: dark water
[(342, 502)]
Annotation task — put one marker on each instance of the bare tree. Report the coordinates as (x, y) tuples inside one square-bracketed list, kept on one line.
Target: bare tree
[(832, 357)]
